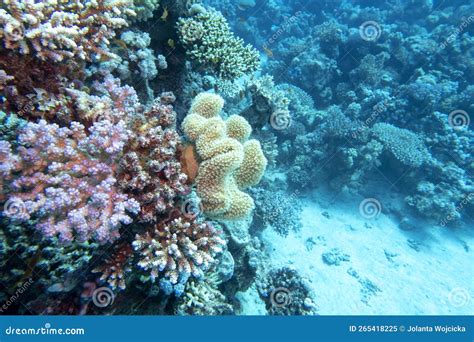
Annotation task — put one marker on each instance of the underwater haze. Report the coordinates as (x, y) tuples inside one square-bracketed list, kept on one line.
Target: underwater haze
[(237, 157)]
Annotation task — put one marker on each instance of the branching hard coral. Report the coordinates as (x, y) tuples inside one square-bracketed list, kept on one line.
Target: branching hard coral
[(203, 298), (49, 265), (277, 210), (405, 145), (65, 178), (114, 268), (227, 165), (135, 61), (177, 249), (4, 79), (143, 56), (209, 41), (286, 293), (238, 128), (59, 30), (296, 95), (38, 88), (144, 9), (150, 170), (110, 101)]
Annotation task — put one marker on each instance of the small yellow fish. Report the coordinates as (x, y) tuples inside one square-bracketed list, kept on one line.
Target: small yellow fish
[(165, 14), (268, 52), (171, 43), (121, 43), (105, 58)]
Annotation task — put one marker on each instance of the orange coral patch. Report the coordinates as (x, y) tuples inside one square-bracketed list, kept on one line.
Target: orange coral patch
[(189, 162)]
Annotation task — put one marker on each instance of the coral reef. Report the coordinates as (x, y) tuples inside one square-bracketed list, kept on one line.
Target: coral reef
[(63, 177), (114, 269), (277, 210), (47, 266), (405, 146), (176, 250), (335, 257), (59, 30), (134, 62), (118, 152), (285, 293), (227, 166), (204, 299), (150, 171), (209, 41)]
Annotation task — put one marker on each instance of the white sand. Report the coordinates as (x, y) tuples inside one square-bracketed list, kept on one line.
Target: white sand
[(438, 279)]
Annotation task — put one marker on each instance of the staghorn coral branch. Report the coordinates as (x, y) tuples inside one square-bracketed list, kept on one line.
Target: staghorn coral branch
[(178, 249), (59, 30)]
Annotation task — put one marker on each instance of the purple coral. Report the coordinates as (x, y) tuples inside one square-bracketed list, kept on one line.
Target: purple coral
[(7, 161), (64, 179)]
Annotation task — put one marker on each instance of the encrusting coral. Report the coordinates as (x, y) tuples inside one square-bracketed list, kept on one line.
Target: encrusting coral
[(228, 162), (177, 249)]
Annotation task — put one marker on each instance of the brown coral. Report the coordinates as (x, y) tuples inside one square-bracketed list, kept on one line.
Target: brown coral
[(115, 267), (150, 170)]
